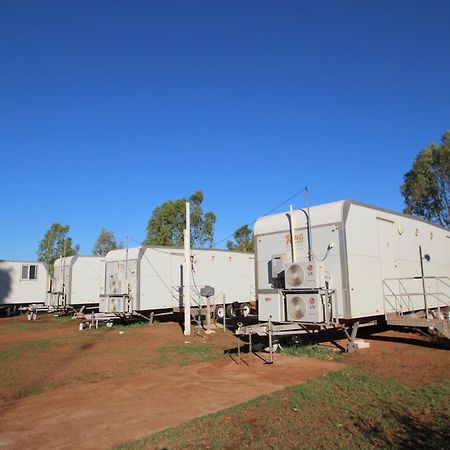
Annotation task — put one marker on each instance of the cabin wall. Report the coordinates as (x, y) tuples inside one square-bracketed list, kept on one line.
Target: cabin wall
[(385, 246), (155, 278), (87, 280), (232, 275), (14, 290)]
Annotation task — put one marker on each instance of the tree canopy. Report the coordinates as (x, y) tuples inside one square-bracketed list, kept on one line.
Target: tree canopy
[(168, 220), (106, 242), (56, 243), (243, 240), (426, 187)]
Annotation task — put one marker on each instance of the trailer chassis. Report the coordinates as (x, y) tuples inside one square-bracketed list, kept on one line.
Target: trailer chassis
[(277, 331)]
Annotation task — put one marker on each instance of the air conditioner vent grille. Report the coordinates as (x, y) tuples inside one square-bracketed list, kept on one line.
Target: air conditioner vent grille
[(295, 275), (296, 307)]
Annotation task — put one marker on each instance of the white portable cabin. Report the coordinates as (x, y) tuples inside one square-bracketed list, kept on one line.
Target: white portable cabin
[(364, 262), (22, 283), (151, 278), (77, 281)]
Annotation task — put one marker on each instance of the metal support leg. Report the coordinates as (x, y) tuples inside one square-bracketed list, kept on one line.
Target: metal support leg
[(224, 313), (351, 338), (270, 347), (250, 348), (270, 331)]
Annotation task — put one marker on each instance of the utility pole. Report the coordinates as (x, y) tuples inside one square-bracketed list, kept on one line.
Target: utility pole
[(293, 255), (308, 225), (187, 273), (423, 282)]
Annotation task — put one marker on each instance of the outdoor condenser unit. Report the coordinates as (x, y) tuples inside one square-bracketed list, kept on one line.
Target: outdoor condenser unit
[(114, 305), (304, 308), (304, 275), (118, 286)]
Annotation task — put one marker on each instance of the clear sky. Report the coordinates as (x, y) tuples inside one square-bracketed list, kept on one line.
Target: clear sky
[(108, 108)]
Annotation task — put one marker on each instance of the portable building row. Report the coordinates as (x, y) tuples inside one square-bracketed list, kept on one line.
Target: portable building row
[(334, 264), (132, 281)]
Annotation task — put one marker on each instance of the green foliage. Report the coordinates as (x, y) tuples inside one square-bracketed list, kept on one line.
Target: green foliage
[(243, 240), (56, 243), (167, 223), (105, 243), (426, 187)]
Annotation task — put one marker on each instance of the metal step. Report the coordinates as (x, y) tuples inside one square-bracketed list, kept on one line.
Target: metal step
[(441, 325)]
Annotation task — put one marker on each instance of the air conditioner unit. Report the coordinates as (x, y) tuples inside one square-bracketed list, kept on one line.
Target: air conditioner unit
[(113, 305), (118, 286), (304, 275), (304, 308)]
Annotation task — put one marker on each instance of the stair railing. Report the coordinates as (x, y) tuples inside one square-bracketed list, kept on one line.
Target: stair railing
[(401, 300)]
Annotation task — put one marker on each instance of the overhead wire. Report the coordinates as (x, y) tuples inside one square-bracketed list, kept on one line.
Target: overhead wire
[(216, 243)]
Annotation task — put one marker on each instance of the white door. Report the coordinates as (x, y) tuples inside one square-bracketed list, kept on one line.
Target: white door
[(387, 241)]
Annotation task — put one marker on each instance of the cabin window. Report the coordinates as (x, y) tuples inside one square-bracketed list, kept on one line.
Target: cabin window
[(33, 270), (29, 272)]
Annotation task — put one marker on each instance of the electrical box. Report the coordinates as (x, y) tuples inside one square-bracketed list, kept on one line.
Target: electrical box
[(276, 265), (271, 306), (207, 291)]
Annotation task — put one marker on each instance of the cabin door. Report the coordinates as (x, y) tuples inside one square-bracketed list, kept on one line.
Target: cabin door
[(176, 276), (387, 241), (67, 285)]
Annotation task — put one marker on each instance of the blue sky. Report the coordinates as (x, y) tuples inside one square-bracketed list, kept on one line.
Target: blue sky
[(108, 108)]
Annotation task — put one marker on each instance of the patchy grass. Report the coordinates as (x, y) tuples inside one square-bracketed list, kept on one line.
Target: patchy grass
[(312, 351), (348, 409), (20, 348), (127, 326), (187, 354), (8, 353), (19, 325), (31, 366), (42, 355)]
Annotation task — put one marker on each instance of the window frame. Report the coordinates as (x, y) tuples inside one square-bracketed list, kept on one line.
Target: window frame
[(27, 268)]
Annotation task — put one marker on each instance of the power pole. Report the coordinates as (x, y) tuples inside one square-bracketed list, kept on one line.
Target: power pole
[(187, 273), (291, 214)]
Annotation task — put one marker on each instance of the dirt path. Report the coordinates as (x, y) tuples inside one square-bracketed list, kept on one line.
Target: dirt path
[(101, 415)]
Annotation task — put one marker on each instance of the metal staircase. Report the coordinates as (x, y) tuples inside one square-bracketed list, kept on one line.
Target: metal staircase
[(442, 326), (420, 302)]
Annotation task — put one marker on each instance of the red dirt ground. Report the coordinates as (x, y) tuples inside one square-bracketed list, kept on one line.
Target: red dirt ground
[(101, 388), (111, 412), (408, 357)]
